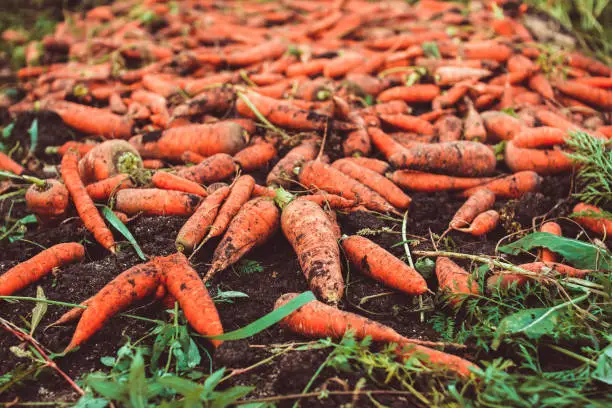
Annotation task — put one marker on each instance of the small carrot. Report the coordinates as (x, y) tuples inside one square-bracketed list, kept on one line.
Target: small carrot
[(388, 108), (378, 166), (254, 224), (184, 284), (154, 201), (84, 205), (454, 280), (255, 156), (541, 161), (168, 181), (384, 143), (8, 164), (454, 75), (215, 168), (81, 147), (539, 136), (410, 94), (379, 264), (357, 143), (366, 84), (282, 173), (213, 100), (448, 128), (546, 255), (102, 190), (409, 123), (486, 50), (600, 226), (341, 65), (108, 159), (477, 203), (48, 201), (452, 96), (375, 182), (482, 224), (474, 128), (30, 271), (501, 125), (430, 183), (457, 158), (512, 186)]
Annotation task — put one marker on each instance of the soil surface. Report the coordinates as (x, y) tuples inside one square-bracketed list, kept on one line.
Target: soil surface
[(429, 213)]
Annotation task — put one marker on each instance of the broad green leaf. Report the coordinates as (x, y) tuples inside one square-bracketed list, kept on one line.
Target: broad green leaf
[(33, 131), (579, 254), (534, 323), (229, 396), (89, 401), (425, 267), (213, 379), (119, 226), (108, 361), (6, 132), (193, 355), (603, 371), (268, 320), (108, 389), (39, 310), (161, 341), (137, 382), (181, 385)]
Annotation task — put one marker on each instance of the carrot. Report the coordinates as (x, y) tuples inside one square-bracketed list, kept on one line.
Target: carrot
[(168, 181), (540, 136), (184, 284), (102, 190), (552, 119), (332, 201), (598, 82), (318, 320), (600, 226), (539, 83), (93, 121), (375, 182), (255, 156), (435, 114), (595, 67), (378, 166), (474, 126), (316, 174), (512, 186), (217, 99), (71, 315), (501, 125), (409, 123), (541, 161), (380, 265), (30, 271), (254, 224), (504, 280), (153, 164), (482, 224), (261, 191), (486, 50), (448, 128), (309, 68), (454, 280), (131, 285), (282, 173), (81, 147), (318, 89), (454, 75), (8, 164), (410, 94), (192, 157), (387, 108), (520, 63), (593, 96), (365, 84), (217, 167), (477, 203), (357, 142), (343, 64), (384, 143), (546, 255), (84, 205), (430, 183), (452, 96), (108, 159), (48, 201), (239, 194), (456, 158), (160, 85), (153, 201)]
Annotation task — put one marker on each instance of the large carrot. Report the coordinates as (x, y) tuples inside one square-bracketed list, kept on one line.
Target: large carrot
[(48, 201), (512, 186), (377, 263), (30, 271), (318, 320), (375, 182), (409, 123), (546, 255), (168, 181), (282, 173), (454, 280), (410, 94), (254, 224), (217, 167), (477, 203), (457, 158), (255, 156), (600, 226), (448, 128), (501, 125), (313, 238), (131, 285), (430, 183), (540, 136), (154, 201), (198, 225), (184, 284), (8, 164), (102, 190), (316, 174), (109, 159), (541, 161), (83, 203)]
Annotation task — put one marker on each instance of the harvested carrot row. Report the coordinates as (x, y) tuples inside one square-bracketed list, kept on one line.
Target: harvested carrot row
[(154, 201), (168, 181), (102, 190)]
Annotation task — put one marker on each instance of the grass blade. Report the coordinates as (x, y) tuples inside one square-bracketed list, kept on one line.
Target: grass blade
[(33, 131), (39, 310), (119, 226)]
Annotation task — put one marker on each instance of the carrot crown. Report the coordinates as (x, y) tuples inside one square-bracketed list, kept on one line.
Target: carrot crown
[(283, 197)]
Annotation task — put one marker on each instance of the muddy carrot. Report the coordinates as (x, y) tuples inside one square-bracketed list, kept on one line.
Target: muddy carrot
[(546, 255), (168, 181), (153, 164), (539, 136), (213, 100), (384, 143), (595, 67), (255, 156), (454, 75), (379, 264), (409, 123), (192, 157), (591, 95), (154, 201), (452, 96), (500, 125), (102, 190), (429, 182), (48, 201), (379, 166), (215, 168), (8, 164), (282, 173), (600, 226), (366, 84), (410, 94), (30, 271), (474, 128), (84, 205), (477, 203), (512, 186), (540, 84), (482, 224), (448, 128), (541, 161), (108, 159), (332, 201), (81, 147), (454, 280)]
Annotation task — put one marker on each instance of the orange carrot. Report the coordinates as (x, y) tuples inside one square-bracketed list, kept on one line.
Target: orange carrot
[(455, 280), (474, 126), (594, 96), (318, 89), (380, 265), (48, 201), (316, 174), (379, 166), (430, 183), (541, 161), (254, 224), (270, 50), (192, 157), (540, 136), (448, 128), (108, 159), (343, 64), (282, 173), (217, 99), (595, 67), (366, 84), (309, 68), (84, 205), (501, 125), (357, 143), (409, 123), (153, 164), (520, 63), (332, 201), (482, 224), (486, 50), (168, 181), (600, 226), (387, 108), (30, 271), (255, 156), (82, 148), (457, 158), (452, 96), (153, 201), (539, 83), (8, 164), (386, 144), (477, 203), (410, 94), (598, 82), (215, 168), (552, 119), (184, 284), (261, 191), (546, 255), (314, 240), (375, 182), (512, 186), (504, 280), (454, 75), (104, 189)]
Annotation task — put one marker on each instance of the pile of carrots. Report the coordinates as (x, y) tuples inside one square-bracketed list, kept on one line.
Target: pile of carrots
[(216, 113)]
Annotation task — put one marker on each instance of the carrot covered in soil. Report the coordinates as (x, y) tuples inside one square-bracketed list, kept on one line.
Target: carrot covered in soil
[(501, 125), (600, 226), (377, 263), (546, 255), (314, 239), (48, 201), (378, 166), (254, 224), (512, 186), (167, 181), (448, 128), (197, 226), (482, 224), (102, 190), (154, 201), (430, 183), (255, 156), (543, 162), (109, 159), (215, 168), (454, 280), (30, 271), (282, 173), (477, 203), (84, 205)]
